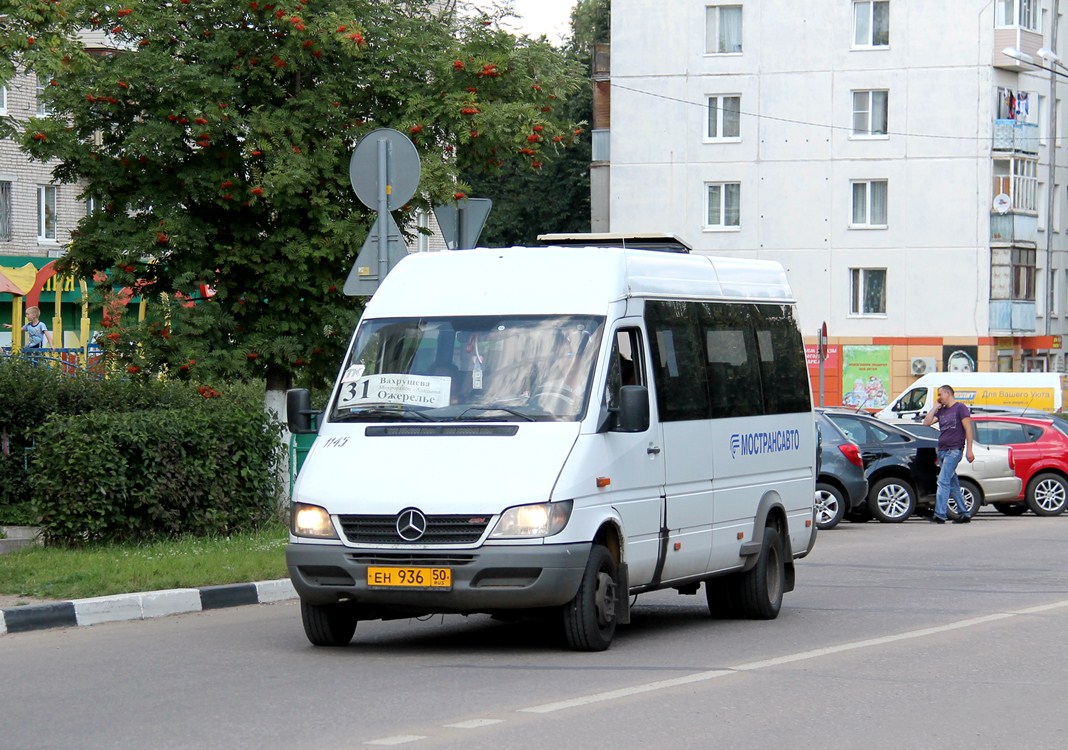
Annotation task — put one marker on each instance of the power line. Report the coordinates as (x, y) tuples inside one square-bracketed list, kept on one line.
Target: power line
[(830, 127)]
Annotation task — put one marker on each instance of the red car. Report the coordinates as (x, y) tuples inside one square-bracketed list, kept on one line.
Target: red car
[(1040, 451)]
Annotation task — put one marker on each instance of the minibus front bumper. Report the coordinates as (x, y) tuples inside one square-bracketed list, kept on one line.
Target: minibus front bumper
[(483, 579)]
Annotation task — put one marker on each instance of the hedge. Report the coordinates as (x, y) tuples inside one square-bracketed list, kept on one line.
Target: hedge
[(126, 460)]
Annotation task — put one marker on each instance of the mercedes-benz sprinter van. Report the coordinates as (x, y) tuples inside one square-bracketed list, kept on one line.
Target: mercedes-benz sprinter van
[(553, 431)]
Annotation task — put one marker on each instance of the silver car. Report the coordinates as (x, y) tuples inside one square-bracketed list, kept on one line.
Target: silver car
[(991, 478)]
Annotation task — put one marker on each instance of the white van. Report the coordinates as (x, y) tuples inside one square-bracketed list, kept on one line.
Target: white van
[(555, 430), (1033, 391)]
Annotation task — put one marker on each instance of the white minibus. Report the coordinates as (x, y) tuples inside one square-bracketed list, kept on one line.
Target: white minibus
[(551, 431)]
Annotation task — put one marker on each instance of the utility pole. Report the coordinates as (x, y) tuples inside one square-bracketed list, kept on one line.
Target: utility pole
[(1051, 192)]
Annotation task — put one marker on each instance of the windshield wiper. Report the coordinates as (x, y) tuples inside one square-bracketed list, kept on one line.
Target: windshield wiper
[(404, 413), (498, 407)]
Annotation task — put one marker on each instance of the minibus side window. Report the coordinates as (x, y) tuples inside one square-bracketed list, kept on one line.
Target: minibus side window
[(731, 353), (783, 371), (625, 366), (678, 361)]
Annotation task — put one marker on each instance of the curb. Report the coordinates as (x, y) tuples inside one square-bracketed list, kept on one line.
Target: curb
[(144, 606)]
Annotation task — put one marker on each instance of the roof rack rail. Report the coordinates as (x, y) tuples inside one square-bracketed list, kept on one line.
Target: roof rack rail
[(666, 243)]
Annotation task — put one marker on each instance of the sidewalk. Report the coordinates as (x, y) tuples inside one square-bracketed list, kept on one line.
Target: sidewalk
[(143, 606)]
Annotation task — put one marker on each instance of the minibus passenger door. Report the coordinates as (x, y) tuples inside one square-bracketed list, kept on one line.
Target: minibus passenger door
[(633, 458)]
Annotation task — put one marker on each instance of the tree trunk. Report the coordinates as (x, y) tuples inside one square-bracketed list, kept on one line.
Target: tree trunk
[(274, 403)]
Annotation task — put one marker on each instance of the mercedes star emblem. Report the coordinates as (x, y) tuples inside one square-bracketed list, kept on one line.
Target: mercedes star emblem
[(411, 525)]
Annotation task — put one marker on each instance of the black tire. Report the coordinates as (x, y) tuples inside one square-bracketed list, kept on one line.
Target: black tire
[(1011, 509), (760, 589), (830, 506), (1047, 494), (891, 500), (590, 618), (328, 624), (973, 499), (723, 595)]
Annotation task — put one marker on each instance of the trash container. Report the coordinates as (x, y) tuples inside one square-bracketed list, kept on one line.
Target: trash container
[(299, 445)]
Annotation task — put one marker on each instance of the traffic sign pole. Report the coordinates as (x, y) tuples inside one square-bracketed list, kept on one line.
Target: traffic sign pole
[(383, 206)]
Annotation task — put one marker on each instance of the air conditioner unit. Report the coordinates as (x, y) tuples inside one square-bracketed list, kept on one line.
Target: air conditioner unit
[(924, 365)]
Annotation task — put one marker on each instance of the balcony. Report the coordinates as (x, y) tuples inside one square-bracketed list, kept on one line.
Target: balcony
[(1013, 228), (1022, 39), (1012, 135), (1012, 317)]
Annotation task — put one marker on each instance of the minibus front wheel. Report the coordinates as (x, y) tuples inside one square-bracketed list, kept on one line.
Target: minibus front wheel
[(328, 624), (590, 618)]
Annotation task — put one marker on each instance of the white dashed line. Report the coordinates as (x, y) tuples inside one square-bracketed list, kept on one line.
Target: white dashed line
[(649, 687), (398, 739), (475, 723)]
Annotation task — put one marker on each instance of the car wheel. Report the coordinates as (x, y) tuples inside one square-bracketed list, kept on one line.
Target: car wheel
[(973, 499), (1047, 494), (830, 506), (1011, 509), (892, 500), (328, 624), (590, 618), (761, 587)]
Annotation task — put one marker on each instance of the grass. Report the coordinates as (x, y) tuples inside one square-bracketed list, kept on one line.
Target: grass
[(57, 573)]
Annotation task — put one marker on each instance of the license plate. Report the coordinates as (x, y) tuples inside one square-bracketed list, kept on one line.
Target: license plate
[(410, 578)]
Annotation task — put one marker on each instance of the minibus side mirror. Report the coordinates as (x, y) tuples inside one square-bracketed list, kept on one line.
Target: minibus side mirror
[(299, 412), (633, 414)]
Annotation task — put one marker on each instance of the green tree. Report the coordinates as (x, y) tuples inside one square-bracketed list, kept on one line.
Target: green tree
[(216, 136), (556, 197)]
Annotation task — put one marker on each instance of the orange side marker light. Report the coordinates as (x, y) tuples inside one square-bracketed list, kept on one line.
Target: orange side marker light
[(604, 481)]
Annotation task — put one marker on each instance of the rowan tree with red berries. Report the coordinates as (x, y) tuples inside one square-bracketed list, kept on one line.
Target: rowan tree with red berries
[(216, 137)]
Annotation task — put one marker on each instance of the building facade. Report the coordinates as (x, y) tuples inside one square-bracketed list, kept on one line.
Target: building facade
[(887, 152)]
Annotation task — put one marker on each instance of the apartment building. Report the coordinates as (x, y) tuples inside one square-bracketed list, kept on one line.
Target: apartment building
[(887, 152), (37, 215)]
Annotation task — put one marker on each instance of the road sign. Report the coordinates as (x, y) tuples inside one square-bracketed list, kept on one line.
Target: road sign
[(461, 221), (401, 169), (364, 277)]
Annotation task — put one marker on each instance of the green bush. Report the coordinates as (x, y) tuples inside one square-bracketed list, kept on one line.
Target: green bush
[(117, 477), (133, 458)]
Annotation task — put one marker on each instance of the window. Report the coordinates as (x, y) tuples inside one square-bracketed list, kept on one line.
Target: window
[(3, 99), (46, 213), (625, 366), (5, 210), (92, 205), (677, 364), (724, 205), (724, 115), (870, 112), (783, 370), (422, 230), (1018, 179), (723, 29), (871, 23), (869, 204), (1016, 13), (43, 110), (867, 291)]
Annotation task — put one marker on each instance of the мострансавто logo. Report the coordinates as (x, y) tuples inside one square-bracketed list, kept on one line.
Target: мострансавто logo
[(759, 443)]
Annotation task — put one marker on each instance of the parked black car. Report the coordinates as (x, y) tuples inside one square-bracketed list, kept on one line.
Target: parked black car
[(902, 468), (841, 486)]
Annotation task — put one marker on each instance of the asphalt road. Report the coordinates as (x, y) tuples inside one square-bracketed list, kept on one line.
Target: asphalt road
[(910, 636)]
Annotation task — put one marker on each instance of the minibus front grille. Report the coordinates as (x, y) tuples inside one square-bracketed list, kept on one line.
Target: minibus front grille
[(436, 559), (453, 529)]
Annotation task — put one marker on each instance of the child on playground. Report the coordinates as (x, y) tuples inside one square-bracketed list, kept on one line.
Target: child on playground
[(36, 331)]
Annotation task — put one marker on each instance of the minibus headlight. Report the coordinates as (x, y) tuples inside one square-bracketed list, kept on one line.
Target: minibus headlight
[(543, 519), (312, 521)]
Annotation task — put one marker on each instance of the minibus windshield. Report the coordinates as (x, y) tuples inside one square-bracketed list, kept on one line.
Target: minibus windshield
[(470, 369)]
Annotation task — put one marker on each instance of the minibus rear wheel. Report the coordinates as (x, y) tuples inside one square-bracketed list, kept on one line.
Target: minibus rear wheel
[(590, 618), (761, 587), (328, 624)]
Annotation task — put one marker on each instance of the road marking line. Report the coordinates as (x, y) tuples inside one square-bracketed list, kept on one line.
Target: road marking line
[(649, 687), (475, 723), (398, 739), (586, 700)]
